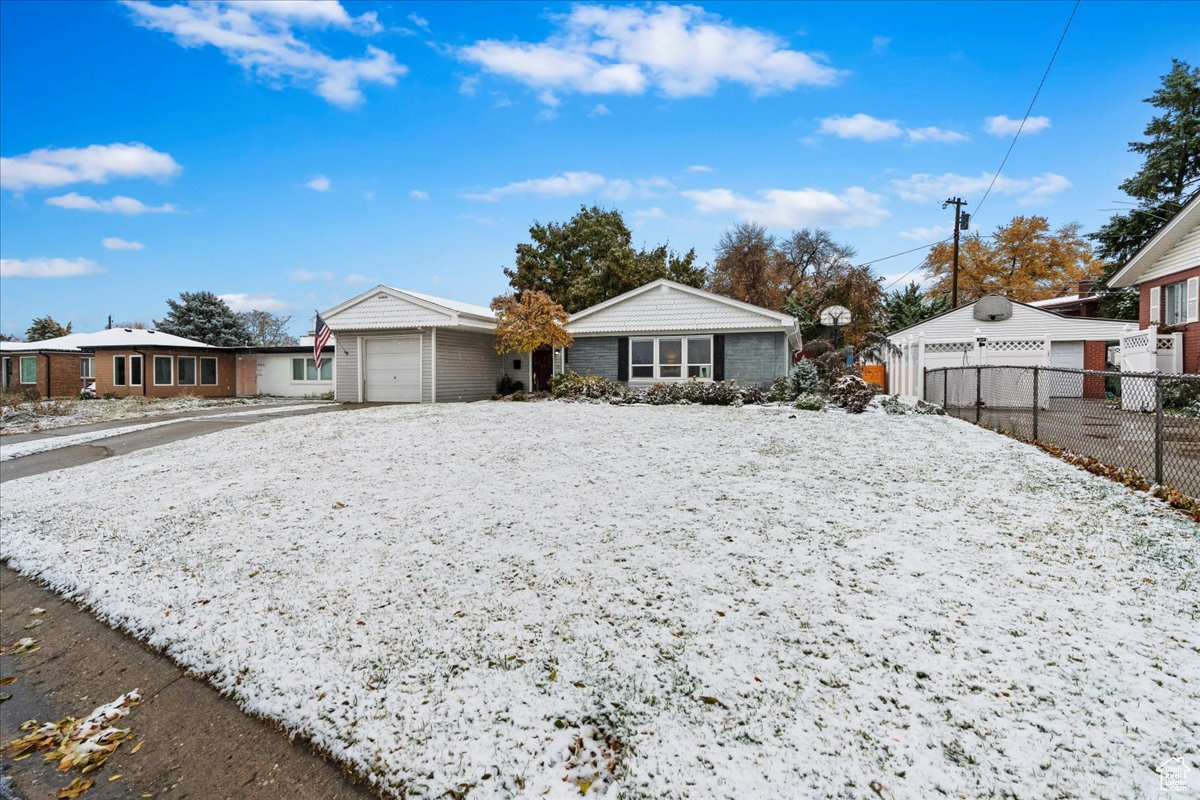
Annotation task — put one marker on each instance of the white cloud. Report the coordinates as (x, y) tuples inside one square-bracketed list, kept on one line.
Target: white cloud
[(549, 99), (260, 37), (117, 243), (303, 275), (419, 194), (354, 277), (650, 213), (98, 163), (699, 168), (255, 302), (320, 183), (681, 51), (419, 21), (933, 134), (879, 44), (924, 188), (795, 208), (861, 126), (119, 204), (567, 184), (47, 267), (1001, 125), (929, 233), (599, 110)]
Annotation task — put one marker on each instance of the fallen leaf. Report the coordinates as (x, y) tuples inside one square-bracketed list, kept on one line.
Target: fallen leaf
[(137, 747), (8, 680), (339, 504), (75, 788), (116, 777), (32, 624), (37, 611)]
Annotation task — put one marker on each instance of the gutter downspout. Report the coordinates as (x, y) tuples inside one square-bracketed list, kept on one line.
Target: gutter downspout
[(49, 394)]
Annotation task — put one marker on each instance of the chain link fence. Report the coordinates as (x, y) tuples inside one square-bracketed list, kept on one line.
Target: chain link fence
[(1148, 422)]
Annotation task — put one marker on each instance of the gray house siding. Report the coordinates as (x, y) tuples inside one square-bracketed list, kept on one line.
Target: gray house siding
[(345, 356), (594, 355), (755, 358), (750, 358), (524, 373), (467, 365)]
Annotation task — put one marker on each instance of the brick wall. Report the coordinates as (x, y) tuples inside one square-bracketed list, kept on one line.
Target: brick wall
[(1191, 331), (57, 374), (224, 387), (1095, 356)]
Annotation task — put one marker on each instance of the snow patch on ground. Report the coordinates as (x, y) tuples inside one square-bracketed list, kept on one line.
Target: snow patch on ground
[(502, 599), (24, 417)]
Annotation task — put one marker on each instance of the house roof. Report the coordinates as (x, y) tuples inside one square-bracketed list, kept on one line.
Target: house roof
[(1185, 223), (385, 307), (1027, 322), (1051, 302), (113, 337), (665, 305)]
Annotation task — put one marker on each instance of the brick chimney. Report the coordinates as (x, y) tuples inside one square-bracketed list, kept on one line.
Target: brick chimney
[(1087, 287)]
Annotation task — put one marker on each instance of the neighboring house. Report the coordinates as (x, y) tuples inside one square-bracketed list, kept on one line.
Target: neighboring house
[(1166, 273), (285, 371), (49, 368), (1084, 303), (134, 361), (666, 331), (395, 345), (999, 331)]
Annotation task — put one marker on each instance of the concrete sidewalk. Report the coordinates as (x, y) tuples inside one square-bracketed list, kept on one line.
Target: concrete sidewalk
[(197, 744)]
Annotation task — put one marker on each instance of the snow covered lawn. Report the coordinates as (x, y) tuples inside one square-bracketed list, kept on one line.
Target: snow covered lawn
[(544, 599), (44, 415)]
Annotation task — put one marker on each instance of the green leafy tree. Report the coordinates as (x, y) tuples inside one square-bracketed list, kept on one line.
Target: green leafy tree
[(267, 329), (1168, 176), (591, 259), (204, 317), (908, 306), (43, 328)]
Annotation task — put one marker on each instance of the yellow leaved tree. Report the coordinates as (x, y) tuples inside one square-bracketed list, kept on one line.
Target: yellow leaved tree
[(529, 322)]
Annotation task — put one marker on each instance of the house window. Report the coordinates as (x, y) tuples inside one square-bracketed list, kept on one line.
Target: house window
[(185, 367), (118, 370), (135, 370), (29, 369), (87, 367), (1174, 300), (305, 369), (208, 372), (162, 370), (670, 358)]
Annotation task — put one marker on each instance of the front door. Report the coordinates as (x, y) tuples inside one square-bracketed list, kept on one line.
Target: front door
[(543, 368)]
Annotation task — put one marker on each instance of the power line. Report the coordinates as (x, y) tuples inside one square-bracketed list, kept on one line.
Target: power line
[(1029, 110)]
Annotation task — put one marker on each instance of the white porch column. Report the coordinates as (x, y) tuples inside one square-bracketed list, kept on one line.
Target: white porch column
[(920, 366)]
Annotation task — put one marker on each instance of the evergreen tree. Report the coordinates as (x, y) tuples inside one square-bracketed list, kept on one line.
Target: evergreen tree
[(43, 328), (204, 317), (908, 306), (8, 337)]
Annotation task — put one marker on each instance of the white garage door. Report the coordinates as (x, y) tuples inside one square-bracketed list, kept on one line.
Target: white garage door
[(1070, 356), (392, 369)]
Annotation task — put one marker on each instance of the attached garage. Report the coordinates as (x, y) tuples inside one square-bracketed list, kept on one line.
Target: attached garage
[(392, 369)]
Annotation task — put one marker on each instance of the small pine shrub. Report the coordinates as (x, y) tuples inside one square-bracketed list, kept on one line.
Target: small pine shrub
[(804, 378), (508, 385), (853, 393), (780, 391), (809, 402)]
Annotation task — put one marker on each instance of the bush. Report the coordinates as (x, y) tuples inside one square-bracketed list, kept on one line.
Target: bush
[(573, 386), (894, 405), (804, 378), (853, 393), (809, 402), (508, 385), (1179, 393), (779, 391)]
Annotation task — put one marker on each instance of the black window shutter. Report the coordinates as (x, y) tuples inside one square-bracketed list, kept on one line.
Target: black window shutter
[(622, 358), (718, 357)]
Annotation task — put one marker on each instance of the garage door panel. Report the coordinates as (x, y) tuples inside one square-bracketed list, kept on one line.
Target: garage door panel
[(392, 369), (1067, 355)]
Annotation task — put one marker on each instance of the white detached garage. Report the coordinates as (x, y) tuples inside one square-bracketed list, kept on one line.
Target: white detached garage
[(399, 346)]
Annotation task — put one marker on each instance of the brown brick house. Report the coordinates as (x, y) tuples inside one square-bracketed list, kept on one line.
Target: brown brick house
[(1166, 273), (42, 371)]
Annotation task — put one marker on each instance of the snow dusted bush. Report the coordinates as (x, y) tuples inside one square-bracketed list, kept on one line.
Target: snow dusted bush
[(809, 402), (714, 393), (573, 386), (779, 391), (852, 393), (909, 405), (507, 384), (804, 378)]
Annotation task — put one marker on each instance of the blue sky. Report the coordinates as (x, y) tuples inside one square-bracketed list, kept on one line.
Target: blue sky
[(289, 155)]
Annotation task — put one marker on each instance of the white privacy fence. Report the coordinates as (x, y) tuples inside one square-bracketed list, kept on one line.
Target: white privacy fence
[(915, 354), (1148, 351)]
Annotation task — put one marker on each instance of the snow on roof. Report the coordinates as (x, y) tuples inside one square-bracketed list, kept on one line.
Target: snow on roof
[(455, 305), (114, 337), (1054, 301)]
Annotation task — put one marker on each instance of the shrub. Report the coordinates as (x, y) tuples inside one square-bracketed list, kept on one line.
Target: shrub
[(893, 405), (1179, 393), (508, 385), (853, 393), (572, 385), (779, 391), (809, 402), (804, 378)]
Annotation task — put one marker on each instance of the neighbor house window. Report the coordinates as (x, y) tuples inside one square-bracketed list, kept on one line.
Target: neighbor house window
[(118, 370), (135, 370), (29, 369), (670, 358), (162, 370), (1174, 300), (305, 369), (87, 367), (186, 370), (208, 372)]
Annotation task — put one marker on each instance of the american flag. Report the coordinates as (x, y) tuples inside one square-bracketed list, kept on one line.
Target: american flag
[(320, 339)]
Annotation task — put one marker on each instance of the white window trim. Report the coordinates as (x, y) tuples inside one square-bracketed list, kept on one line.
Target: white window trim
[(141, 371), (216, 371), (195, 371), (21, 371), (91, 373), (154, 370), (317, 379), (683, 376), (125, 370), (1175, 299)]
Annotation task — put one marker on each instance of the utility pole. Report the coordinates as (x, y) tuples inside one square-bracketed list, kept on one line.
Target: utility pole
[(958, 203)]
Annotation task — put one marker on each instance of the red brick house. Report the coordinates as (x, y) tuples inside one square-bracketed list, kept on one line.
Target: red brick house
[(1166, 273), (44, 369)]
